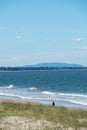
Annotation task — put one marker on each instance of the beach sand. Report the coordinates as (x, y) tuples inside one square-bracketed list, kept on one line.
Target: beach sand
[(12, 122)]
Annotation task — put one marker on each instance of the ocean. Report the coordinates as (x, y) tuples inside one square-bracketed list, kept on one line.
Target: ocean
[(64, 87)]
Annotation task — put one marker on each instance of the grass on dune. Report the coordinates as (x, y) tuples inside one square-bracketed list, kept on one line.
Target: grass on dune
[(75, 118)]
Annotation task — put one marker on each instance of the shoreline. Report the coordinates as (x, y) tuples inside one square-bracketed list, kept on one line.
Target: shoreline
[(44, 101), (70, 107), (48, 69)]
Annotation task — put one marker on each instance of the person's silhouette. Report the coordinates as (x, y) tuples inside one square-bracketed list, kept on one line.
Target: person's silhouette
[(53, 103)]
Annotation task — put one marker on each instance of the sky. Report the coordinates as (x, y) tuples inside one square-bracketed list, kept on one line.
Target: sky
[(38, 31)]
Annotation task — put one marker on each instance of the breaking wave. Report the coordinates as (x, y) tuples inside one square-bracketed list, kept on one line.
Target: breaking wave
[(40, 95), (48, 93), (33, 88), (11, 86)]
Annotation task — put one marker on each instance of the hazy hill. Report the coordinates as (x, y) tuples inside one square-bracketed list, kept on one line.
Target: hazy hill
[(54, 64)]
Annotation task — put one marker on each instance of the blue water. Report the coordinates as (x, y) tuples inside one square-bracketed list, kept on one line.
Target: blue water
[(65, 87)]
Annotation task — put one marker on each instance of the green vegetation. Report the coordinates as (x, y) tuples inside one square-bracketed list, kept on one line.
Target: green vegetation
[(60, 118), (40, 68)]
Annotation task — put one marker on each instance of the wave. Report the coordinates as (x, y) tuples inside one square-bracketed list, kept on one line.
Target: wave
[(10, 95), (64, 94), (11, 86), (67, 97), (75, 102), (48, 93), (79, 102), (72, 95), (34, 88), (78, 99)]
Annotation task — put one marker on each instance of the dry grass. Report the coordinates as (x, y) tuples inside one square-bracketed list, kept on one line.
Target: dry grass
[(18, 115)]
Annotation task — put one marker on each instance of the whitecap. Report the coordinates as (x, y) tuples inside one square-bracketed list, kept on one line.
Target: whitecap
[(48, 93), (73, 95), (11, 86), (33, 88)]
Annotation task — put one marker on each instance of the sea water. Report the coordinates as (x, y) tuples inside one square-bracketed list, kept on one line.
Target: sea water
[(64, 87)]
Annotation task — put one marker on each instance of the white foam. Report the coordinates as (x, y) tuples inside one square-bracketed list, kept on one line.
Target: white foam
[(11, 86), (13, 95), (20, 96), (79, 99), (34, 88), (73, 95), (48, 93), (66, 94), (77, 102)]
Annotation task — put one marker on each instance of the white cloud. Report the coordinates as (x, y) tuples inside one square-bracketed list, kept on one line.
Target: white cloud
[(21, 39), (64, 39), (76, 39)]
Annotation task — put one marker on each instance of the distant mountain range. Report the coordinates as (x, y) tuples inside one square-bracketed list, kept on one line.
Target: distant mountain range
[(54, 64), (45, 66)]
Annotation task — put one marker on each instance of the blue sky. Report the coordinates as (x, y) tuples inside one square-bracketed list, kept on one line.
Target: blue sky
[(35, 31)]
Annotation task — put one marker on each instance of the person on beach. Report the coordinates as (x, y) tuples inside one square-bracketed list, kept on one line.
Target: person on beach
[(53, 103)]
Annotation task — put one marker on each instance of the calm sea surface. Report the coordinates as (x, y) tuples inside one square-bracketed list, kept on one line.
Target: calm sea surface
[(65, 87)]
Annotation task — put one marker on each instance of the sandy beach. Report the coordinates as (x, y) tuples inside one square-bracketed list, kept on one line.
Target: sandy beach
[(12, 118), (23, 123)]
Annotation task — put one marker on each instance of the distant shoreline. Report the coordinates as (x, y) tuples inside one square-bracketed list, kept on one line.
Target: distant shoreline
[(18, 69)]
